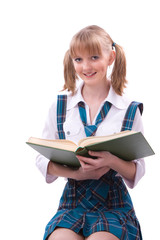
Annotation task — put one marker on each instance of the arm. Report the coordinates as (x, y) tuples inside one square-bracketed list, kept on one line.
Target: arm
[(131, 172), (49, 132), (55, 169), (51, 171), (106, 159)]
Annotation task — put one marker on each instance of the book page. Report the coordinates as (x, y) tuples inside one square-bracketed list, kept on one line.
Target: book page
[(57, 143), (96, 139)]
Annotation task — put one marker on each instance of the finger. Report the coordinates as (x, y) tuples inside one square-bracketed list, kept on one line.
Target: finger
[(95, 154), (87, 160), (85, 166), (100, 154)]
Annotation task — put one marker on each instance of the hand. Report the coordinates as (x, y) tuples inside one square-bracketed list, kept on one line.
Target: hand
[(81, 174), (92, 168), (103, 160), (77, 174)]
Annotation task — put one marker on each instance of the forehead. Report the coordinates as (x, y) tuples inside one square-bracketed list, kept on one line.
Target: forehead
[(90, 46)]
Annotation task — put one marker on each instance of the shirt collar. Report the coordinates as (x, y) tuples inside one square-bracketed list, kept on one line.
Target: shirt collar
[(120, 102), (73, 100)]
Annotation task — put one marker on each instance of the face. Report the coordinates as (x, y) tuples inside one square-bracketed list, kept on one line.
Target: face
[(92, 69)]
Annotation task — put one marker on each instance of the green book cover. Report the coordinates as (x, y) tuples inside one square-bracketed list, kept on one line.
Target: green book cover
[(127, 146)]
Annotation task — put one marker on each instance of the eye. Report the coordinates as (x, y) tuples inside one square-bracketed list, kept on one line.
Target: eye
[(95, 57), (78, 59)]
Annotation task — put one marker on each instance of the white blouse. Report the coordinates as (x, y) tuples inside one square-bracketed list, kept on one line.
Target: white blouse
[(74, 129)]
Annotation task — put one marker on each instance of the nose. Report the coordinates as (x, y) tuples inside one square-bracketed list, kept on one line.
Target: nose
[(87, 66)]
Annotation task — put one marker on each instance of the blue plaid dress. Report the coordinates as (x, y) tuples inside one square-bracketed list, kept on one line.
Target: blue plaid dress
[(96, 205)]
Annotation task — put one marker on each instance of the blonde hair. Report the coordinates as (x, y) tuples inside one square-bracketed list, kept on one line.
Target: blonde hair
[(92, 39)]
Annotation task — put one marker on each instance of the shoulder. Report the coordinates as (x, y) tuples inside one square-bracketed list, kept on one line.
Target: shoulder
[(119, 102), (55, 98), (72, 99)]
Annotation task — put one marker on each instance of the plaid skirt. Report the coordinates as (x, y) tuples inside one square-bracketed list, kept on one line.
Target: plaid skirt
[(97, 205)]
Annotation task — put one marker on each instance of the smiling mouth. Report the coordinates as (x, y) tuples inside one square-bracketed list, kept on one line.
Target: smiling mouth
[(90, 74)]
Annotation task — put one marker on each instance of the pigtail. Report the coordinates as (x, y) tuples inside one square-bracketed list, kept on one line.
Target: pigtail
[(118, 76), (69, 73)]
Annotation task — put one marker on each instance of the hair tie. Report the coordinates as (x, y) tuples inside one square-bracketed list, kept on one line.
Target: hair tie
[(113, 44)]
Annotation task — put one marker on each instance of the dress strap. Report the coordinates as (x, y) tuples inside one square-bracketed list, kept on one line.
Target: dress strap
[(61, 114), (130, 115)]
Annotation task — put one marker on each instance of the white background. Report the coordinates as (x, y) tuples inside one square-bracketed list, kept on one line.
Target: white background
[(34, 36)]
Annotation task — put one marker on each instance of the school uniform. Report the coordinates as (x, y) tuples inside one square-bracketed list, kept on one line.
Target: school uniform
[(94, 205)]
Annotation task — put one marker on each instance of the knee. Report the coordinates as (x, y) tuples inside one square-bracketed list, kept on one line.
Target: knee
[(64, 234), (56, 235)]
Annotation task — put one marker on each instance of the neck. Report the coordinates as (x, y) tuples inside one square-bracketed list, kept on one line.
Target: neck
[(96, 93)]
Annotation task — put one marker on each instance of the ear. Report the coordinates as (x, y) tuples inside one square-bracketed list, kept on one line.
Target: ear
[(112, 57)]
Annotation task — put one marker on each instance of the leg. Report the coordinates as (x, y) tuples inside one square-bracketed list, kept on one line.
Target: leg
[(64, 234), (102, 235)]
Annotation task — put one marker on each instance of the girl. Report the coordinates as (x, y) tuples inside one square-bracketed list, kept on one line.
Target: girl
[(95, 203)]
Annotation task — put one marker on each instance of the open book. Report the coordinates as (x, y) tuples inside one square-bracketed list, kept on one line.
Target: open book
[(127, 145)]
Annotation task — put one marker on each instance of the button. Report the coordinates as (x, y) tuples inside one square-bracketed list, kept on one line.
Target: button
[(68, 133)]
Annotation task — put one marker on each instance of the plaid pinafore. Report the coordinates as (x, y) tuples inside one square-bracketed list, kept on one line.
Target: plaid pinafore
[(96, 205)]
